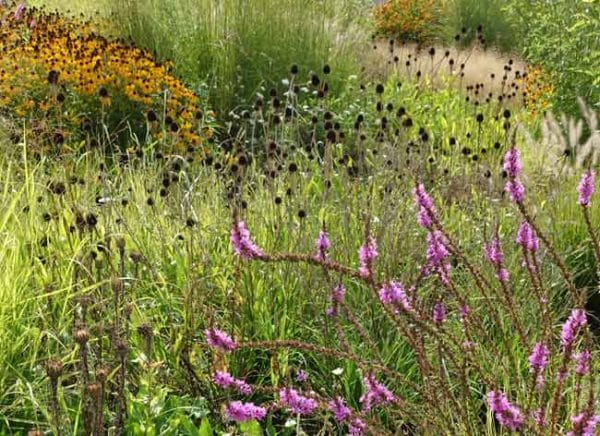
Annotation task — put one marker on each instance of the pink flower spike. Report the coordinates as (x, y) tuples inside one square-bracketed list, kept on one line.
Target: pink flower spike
[(323, 244), (512, 163), (571, 327), (243, 412), (367, 254), (219, 339), (290, 398), (242, 243), (506, 414), (439, 313), (356, 427), (516, 190), (340, 411), (583, 362), (527, 238), (586, 187), (375, 394)]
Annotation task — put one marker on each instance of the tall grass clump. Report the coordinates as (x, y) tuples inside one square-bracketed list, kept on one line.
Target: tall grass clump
[(235, 47), (463, 17)]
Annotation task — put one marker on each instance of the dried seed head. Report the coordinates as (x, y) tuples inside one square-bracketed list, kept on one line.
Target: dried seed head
[(117, 284), (102, 374), (82, 336), (122, 347), (94, 389), (54, 368)]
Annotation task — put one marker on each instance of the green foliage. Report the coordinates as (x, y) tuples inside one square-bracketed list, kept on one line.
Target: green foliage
[(497, 28), (563, 36), (234, 48)]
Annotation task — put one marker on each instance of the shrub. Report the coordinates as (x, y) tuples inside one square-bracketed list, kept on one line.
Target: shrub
[(407, 20), (67, 84), (562, 37)]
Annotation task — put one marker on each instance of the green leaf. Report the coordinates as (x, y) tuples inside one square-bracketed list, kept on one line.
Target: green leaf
[(251, 428), (205, 428)]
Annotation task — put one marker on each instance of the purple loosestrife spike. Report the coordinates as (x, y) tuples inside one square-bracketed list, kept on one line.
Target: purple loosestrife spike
[(439, 313), (243, 412), (297, 403), (503, 275), (583, 362), (512, 163), (375, 394), (242, 244), (527, 238), (571, 328), (223, 379), (538, 360), (506, 414), (393, 293), (301, 376), (538, 418), (584, 425), (493, 252), (436, 249), (323, 244), (367, 254), (427, 211), (586, 187), (340, 411), (337, 297), (516, 190), (19, 11), (356, 427), (219, 339)]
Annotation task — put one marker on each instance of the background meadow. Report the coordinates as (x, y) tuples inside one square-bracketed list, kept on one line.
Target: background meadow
[(299, 217)]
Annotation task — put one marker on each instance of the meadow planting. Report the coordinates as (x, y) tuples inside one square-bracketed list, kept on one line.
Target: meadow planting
[(299, 218)]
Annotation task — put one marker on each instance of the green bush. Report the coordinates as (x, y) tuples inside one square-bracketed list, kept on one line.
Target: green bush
[(564, 37)]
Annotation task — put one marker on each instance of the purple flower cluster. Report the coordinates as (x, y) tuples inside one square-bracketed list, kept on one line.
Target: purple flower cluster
[(323, 244), (393, 293), (226, 381), (527, 238), (439, 313), (494, 254), (19, 11), (571, 328), (219, 339), (584, 425), (297, 403), (242, 412), (513, 168), (538, 360), (437, 253), (338, 407), (506, 414), (337, 297), (356, 427), (512, 163), (586, 187), (301, 376), (427, 212), (367, 254), (242, 244), (583, 362), (375, 394)]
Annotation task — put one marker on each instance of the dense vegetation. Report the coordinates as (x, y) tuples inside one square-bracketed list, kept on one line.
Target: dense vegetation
[(219, 219)]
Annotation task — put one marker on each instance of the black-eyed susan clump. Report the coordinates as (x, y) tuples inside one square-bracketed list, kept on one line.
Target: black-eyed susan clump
[(71, 88), (538, 90), (407, 20)]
